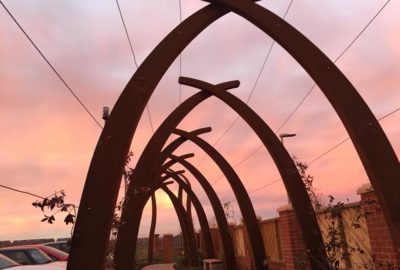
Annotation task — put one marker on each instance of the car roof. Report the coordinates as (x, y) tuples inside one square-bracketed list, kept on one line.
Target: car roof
[(24, 247), (36, 267), (56, 242)]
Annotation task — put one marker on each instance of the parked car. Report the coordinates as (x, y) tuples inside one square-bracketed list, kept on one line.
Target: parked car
[(54, 253), (26, 255), (7, 263), (34, 267), (61, 245)]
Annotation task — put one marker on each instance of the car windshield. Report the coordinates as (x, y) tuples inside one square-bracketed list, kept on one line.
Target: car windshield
[(39, 257), (6, 262), (56, 251)]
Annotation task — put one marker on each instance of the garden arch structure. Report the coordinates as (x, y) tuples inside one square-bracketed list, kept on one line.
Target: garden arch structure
[(127, 237), (104, 176)]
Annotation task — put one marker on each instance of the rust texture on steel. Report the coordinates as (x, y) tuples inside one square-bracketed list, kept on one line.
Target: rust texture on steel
[(100, 192), (290, 176)]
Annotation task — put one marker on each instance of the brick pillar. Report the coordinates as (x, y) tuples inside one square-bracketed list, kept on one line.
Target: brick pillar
[(168, 248), (215, 240), (293, 248), (202, 245), (383, 249), (156, 245), (197, 235)]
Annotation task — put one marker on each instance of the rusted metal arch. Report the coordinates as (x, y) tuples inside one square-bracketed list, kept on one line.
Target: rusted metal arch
[(154, 216), (223, 227), (144, 179), (104, 176), (216, 204), (189, 236), (184, 220), (290, 176), (201, 214), (316, 246), (257, 249)]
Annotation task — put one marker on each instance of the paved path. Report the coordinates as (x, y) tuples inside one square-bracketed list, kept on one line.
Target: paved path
[(167, 266)]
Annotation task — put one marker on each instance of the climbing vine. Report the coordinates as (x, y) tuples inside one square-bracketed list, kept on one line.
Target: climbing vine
[(338, 249)]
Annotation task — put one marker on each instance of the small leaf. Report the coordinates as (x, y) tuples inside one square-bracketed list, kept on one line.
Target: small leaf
[(51, 219), (69, 219)]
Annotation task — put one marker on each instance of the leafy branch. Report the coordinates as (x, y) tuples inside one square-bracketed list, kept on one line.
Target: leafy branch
[(53, 204)]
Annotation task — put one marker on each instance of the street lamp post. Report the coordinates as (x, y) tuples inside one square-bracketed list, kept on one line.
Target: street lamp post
[(286, 135)]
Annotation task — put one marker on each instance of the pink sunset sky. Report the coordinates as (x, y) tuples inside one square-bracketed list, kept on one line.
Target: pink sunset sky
[(47, 139)]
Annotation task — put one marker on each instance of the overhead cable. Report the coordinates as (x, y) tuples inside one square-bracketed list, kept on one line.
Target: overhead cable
[(52, 67)]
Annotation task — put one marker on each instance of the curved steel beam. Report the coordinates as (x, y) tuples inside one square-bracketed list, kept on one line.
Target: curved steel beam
[(257, 249), (150, 248), (223, 227), (290, 176), (188, 201), (102, 183)]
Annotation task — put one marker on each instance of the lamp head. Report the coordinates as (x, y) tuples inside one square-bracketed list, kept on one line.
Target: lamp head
[(285, 135), (106, 113)]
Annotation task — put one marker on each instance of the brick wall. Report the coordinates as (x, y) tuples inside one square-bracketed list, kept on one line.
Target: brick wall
[(168, 247), (383, 250), (291, 245), (291, 238)]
